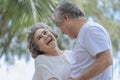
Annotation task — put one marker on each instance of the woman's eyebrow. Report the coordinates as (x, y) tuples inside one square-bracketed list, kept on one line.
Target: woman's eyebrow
[(40, 34)]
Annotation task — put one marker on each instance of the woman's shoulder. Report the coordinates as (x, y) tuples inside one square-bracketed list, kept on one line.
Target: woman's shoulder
[(40, 60), (44, 60), (68, 52), (68, 55)]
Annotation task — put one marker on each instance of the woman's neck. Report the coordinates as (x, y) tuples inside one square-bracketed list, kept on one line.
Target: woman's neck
[(55, 52)]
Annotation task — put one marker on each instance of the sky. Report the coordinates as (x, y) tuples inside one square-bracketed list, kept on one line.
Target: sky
[(24, 71)]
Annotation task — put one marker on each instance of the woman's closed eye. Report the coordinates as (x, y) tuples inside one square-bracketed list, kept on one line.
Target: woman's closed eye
[(40, 36), (44, 32)]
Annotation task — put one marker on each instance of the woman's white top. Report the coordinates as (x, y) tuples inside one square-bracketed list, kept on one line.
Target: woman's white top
[(53, 66)]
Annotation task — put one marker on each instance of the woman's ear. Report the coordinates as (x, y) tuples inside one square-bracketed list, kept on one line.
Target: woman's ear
[(37, 47)]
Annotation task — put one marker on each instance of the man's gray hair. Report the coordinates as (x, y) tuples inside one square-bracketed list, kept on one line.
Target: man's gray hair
[(66, 8)]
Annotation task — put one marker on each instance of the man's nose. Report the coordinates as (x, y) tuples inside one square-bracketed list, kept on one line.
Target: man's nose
[(63, 32)]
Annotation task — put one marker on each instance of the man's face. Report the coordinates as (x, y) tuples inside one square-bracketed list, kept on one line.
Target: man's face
[(67, 27), (63, 27)]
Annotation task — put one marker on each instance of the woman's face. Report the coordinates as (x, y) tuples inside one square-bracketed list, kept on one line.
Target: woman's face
[(44, 40)]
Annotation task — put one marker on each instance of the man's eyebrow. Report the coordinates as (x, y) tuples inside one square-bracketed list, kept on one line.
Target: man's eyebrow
[(40, 34)]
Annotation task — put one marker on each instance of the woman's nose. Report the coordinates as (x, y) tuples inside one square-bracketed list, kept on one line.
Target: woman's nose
[(45, 36)]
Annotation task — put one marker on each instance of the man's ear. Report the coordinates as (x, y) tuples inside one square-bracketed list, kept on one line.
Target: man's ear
[(66, 17)]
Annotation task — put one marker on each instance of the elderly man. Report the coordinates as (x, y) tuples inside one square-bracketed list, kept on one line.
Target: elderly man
[(92, 58)]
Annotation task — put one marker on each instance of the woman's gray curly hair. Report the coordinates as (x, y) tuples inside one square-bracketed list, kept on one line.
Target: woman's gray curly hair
[(30, 38)]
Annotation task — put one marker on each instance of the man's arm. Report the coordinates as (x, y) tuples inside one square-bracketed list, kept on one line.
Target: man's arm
[(103, 60)]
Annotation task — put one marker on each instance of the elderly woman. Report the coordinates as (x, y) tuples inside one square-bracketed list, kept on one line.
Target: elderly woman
[(51, 63)]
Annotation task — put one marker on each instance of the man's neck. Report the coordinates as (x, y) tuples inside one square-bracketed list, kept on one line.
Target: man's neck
[(79, 24)]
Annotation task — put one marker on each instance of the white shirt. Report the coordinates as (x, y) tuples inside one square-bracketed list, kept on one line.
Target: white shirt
[(92, 39), (53, 66)]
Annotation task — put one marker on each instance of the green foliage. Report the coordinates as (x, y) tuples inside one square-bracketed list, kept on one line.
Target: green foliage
[(16, 16)]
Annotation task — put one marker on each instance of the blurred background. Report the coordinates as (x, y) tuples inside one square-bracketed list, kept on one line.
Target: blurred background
[(16, 16)]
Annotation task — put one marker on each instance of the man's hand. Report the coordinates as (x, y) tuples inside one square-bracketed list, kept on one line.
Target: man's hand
[(70, 78), (52, 78)]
